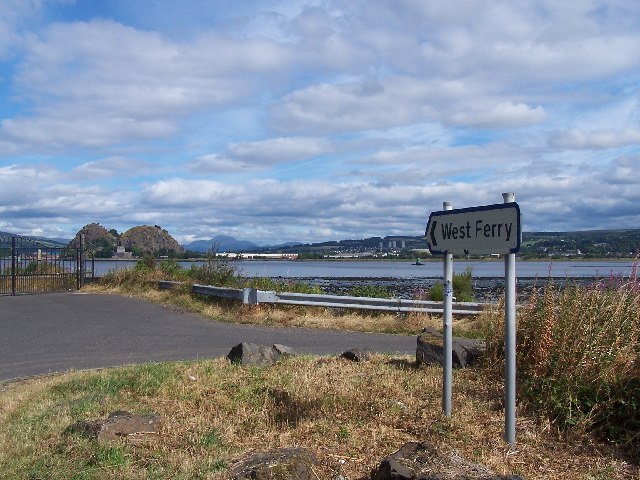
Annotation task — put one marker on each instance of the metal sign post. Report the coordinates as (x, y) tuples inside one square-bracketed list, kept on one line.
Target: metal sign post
[(447, 328), (487, 229), (510, 340)]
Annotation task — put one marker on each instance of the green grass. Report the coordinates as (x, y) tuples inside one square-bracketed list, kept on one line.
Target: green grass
[(214, 413)]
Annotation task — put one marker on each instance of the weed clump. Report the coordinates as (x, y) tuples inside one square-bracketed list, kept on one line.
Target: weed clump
[(579, 357), (370, 291), (462, 287)]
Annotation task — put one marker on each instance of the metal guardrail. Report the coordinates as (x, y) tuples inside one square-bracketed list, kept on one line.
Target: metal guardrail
[(251, 296)]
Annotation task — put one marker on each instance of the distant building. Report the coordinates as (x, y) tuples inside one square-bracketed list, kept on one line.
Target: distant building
[(121, 251)]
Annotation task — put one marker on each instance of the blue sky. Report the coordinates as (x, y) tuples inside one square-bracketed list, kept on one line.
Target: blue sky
[(279, 121)]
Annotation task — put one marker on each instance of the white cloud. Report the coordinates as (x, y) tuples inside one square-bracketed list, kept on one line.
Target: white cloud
[(13, 14), (110, 167), (260, 154), (397, 101), (99, 82), (390, 107), (190, 193), (505, 114), (280, 149), (81, 129), (215, 163), (354, 106), (576, 138)]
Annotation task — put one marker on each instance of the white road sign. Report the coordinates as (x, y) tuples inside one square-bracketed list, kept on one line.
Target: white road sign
[(475, 230)]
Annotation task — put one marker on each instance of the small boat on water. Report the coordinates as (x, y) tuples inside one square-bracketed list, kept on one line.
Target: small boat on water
[(418, 262)]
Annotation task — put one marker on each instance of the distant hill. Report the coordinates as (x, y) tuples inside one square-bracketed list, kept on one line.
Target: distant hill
[(154, 240), (583, 244), (284, 245), (60, 240), (5, 240), (222, 243), (588, 243), (96, 239)]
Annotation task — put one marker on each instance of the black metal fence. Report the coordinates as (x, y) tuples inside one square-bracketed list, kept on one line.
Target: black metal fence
[(30, 265)]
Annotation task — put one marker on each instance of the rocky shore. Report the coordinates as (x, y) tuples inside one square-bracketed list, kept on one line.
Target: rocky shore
[(487, 289)]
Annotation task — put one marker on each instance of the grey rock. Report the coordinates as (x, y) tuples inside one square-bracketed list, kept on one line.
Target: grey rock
[(124, 424), (424, 461), (465, 351), (284, 350), (247, 353), (118, 424), (357, 354), (391, 469), (281, 464)]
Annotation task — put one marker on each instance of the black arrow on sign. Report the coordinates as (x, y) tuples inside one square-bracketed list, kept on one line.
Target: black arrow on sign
[(432, 234)]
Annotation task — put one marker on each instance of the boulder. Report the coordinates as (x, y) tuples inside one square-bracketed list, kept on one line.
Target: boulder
[(284, 350), (424, 461), (247, 353), (281, 464), (119, 424), (124, 424), (357, 354), (465, 351)]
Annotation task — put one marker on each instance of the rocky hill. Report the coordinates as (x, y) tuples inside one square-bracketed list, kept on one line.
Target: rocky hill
[(146, 239), (96, 239)]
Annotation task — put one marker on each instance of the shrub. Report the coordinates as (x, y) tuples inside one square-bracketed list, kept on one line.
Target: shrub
[(462, 287), (216, 271), (370, 291), (579, 357), (172, 268), (148, 262), (266, 283)]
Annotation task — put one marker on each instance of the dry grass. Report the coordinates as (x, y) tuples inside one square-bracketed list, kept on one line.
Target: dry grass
[(289, 316), (579, 357), (350, 415)]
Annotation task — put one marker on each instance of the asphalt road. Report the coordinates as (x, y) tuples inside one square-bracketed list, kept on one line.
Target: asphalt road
[(41, 334)]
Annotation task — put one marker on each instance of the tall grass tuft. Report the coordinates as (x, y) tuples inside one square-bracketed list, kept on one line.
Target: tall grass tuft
[(462, 287), (579, 356)]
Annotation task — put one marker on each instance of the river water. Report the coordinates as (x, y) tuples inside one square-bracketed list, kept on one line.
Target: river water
[(405, 280), (296, 269)]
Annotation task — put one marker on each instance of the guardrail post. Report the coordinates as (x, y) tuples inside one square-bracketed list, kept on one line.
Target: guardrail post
[(249, 296), (267, 296)]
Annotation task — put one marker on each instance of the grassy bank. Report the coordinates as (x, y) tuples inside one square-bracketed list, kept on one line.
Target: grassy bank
[(213, 414)]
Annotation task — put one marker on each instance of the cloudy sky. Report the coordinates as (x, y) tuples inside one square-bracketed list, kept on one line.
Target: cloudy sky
[(302, 120)]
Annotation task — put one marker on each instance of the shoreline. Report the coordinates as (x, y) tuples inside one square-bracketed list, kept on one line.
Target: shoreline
[(426, 260)]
